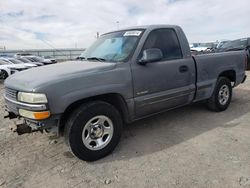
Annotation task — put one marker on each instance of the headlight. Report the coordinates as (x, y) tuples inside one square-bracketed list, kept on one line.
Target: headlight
[(32, 97)]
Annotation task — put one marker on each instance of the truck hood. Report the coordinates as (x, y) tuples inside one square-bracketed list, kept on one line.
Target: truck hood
[(30, 80)]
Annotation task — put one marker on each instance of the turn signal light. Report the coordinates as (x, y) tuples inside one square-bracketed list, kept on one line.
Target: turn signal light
[(34, 115)]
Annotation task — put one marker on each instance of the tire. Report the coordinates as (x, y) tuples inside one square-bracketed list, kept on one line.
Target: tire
[(221, 97), (4, 74), (87, 128)]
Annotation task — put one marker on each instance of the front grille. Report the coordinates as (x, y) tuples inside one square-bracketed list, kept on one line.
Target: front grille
[(10, 93)]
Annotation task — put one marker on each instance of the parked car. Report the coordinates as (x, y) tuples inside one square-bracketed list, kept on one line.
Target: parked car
[(39, 59), (16, 61), (7, 69), (19, 65), (21, 54), (236, 45), (205, 47), (221, 43), (127, 75), (25, 60), (50, 58), (81, 56)]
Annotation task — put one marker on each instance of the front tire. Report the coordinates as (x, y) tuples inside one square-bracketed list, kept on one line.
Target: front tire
[(221, 97), (93, 130), (4, 74)]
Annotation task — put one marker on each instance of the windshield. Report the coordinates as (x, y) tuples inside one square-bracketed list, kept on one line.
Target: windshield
[(240, 43), (15, 61), (38, 59), (114, 47), (2, 62), (30, 59), (24, 60)]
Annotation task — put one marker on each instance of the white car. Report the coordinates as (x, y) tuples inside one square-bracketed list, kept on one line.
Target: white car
[(205, 47), (15, 61), (8, 69), (199, 49), (40, 59), (25, 60)]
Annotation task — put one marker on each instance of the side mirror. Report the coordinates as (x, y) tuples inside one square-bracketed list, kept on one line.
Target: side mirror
[(150, 55)]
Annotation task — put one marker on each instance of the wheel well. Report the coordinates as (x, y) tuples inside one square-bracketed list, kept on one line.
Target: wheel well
[(112, 98), (231, 75)]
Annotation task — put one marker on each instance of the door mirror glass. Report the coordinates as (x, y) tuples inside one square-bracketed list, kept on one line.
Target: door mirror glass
[(151, 55)]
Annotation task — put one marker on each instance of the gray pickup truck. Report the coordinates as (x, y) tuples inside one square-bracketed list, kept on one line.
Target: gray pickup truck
[(125, 76)]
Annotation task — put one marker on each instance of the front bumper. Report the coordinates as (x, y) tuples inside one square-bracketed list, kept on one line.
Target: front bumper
[(12, 109)]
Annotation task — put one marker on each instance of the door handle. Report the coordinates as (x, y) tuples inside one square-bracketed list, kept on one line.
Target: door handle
[(183, 68)]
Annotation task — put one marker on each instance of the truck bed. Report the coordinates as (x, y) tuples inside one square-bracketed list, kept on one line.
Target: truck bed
[(209, 67)]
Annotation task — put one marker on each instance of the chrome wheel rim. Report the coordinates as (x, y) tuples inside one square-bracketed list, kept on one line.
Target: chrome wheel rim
[(223, 94), (97, 132)]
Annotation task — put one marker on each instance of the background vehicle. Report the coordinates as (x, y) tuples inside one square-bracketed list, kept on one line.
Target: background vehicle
[(205, 47), (53, 60), (221, 43), (235, 45), (19, 65), (8, 69), (127, 75), (22, 54), (81, 56), (16, 61), (39, 59), (25, 60)]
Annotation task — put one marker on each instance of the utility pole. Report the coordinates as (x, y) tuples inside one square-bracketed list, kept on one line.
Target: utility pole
[(118, 25), (97, 35)]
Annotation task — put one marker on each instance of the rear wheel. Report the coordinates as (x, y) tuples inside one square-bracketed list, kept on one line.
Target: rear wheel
[(221, 97), (93, 130)]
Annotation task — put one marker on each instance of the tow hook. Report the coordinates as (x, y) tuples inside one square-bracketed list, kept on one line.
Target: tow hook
[(10, 115)]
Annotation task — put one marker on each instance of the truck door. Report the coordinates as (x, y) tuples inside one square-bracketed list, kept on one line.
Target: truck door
[(163, 84)]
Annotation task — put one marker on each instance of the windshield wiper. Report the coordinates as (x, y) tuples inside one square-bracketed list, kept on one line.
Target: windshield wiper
[(96, 58)]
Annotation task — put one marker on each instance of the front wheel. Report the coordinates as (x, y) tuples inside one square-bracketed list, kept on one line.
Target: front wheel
[(93, 130), (4, 74), (221, 97)]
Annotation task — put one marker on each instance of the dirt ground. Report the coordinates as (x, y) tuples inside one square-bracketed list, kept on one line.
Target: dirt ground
[(187, 147)]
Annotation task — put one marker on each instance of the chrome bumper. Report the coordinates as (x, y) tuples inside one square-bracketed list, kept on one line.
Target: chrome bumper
[(14, 105)]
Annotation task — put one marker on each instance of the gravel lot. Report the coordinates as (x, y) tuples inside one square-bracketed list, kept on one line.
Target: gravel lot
[(187, 147)]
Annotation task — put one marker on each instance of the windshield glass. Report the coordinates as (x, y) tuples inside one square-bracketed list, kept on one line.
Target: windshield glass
[(15, 61), (114, 47), (2, 62), (38, 59), (240, 43), (24, 60)]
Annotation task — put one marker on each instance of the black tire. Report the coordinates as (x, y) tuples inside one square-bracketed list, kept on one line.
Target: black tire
[(213, 103), (78, 120), (4, 74)]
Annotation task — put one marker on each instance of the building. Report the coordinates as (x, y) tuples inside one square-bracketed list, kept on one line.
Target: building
[(59, 54)]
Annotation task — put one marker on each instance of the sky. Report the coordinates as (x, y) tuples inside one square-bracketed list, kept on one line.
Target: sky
[(39, 24)]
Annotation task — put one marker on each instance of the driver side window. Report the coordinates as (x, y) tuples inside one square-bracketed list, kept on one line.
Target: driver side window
[(166, 40)]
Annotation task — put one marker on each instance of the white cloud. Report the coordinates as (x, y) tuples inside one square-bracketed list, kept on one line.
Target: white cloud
[(24, 23)]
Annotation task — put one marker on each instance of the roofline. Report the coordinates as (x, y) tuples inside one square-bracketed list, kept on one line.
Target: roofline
[(145, 27)]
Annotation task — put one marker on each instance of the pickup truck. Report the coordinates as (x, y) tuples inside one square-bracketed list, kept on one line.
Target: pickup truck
[(126, 75)]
